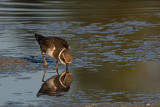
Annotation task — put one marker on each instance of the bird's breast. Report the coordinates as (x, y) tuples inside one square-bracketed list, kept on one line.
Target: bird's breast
[(50, 51)]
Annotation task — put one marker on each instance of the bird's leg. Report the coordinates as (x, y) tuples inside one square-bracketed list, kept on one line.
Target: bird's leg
[(45, 62), (44, 75), (57, 66)]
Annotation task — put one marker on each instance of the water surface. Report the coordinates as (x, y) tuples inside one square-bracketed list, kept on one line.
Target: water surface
[(115, 45)]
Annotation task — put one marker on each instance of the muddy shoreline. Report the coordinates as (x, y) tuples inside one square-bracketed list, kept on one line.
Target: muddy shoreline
[(155, 104)]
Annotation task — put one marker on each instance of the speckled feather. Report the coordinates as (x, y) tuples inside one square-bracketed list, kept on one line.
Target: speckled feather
[(51, 42)]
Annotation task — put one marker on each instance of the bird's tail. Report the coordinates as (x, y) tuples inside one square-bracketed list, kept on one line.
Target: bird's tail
[(38, 37)]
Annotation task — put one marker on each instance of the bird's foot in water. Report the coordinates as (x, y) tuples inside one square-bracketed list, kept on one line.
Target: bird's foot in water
[(45, 65)]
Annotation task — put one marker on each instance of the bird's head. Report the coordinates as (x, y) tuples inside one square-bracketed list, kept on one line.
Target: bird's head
[(65, 57), (66, 79)]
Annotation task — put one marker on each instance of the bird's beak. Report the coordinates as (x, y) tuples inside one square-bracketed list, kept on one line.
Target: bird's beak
[(67, 68)]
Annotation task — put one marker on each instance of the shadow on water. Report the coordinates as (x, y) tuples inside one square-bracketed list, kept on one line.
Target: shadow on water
[(56, 84)]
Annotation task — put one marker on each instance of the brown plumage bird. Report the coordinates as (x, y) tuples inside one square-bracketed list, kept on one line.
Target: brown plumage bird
[(55, 47)]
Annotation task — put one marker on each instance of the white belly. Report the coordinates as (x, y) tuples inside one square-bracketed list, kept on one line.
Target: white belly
[(50, 51)]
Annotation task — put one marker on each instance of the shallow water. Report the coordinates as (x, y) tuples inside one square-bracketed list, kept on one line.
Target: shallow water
[(115, 45)]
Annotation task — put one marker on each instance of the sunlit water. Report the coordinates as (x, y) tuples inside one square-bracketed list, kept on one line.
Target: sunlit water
[(115, 44)]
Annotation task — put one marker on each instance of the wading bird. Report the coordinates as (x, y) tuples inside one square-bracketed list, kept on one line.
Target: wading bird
[(55, 47)]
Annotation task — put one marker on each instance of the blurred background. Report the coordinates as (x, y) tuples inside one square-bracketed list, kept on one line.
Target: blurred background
[(115, 44)]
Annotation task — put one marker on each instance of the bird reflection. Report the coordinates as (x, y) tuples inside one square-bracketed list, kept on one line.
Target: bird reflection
[(56, 84)]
